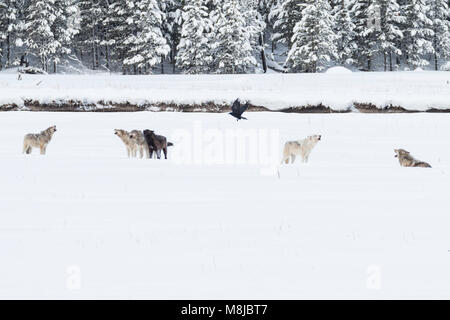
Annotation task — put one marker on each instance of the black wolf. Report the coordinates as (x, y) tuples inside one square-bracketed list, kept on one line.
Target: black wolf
[(156, 143)]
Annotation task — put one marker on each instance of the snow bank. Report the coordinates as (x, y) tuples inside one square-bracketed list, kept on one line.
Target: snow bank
[(338, 70), (419, 91)]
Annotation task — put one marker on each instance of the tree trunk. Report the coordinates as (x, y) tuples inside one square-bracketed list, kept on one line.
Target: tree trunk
[(390, 62), (8, 50), (263, 54), (107, 56), (162, 65)]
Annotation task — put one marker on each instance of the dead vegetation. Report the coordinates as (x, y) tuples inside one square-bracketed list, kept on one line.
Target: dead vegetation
[(210, 107)]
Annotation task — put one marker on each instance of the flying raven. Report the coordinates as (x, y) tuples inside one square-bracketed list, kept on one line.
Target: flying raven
[(237, 110)]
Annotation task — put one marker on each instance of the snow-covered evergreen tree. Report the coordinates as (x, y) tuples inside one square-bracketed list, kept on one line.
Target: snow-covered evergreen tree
[(255, 26), (39, 38), (10, 26), (194, 51), (440, 15), (418, 33), (171, 26), (389, 35), (285, 15), (64, 28), (232, 44), (345, 32), (120, 26), (366, 18), (314, 39), (146, 44), (92, 34)]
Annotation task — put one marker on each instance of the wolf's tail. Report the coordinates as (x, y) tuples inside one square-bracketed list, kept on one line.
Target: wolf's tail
[(423, 165), (169, 144)]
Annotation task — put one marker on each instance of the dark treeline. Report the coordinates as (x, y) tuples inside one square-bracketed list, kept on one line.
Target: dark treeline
[(231, 36)]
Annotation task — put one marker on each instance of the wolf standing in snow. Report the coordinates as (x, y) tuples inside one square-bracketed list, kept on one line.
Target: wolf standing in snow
[(137, 137), (38, 140), (406, 160), (127, 141), (302, 148), (156, 143)]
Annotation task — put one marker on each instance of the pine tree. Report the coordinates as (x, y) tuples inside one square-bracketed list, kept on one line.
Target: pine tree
[(345, 32), (440, 15), (171, 26), (121, 26), (93, 18), (389, 35), (285, 15), (418, 33), (194, 51), (232, 45), (10, 26), (39, 38), (255, 26), (314, 39), (146, 44), (64, 28), (366, 19)]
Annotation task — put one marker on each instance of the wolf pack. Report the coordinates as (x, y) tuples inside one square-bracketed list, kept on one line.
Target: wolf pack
[(147, 143)]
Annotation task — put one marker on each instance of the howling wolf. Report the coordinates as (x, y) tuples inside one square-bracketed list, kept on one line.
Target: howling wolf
[(127, 141), (299, 147), (38, 140), (406, 160)]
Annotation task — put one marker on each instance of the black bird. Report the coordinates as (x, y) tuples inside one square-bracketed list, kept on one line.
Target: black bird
[(237, 110)]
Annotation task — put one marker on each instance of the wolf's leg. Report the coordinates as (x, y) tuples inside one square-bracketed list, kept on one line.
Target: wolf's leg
[(165, 153), (42, 147), (306, 158), (141, 152), (158, 153), (25, 147), (293, 158), (128, 152)]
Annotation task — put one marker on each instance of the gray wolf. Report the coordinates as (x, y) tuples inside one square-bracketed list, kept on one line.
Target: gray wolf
[(38, 140), (302, 148), (156, 143), (406, 160), (137, 137), (127, 141)]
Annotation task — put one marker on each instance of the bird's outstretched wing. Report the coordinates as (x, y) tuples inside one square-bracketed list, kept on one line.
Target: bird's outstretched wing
[(243, 108), (235, 108)]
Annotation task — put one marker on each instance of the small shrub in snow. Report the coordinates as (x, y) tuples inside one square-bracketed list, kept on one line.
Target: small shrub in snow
[(446, 67)]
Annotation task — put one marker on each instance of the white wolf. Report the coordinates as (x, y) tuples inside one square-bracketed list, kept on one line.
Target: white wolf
[(301, 148)]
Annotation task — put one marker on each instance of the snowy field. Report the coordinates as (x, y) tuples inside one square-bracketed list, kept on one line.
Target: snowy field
[(85, 221), (339, 89)]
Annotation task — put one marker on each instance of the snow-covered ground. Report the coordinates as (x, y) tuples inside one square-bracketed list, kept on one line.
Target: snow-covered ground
[(420, 90), (84, 221)]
